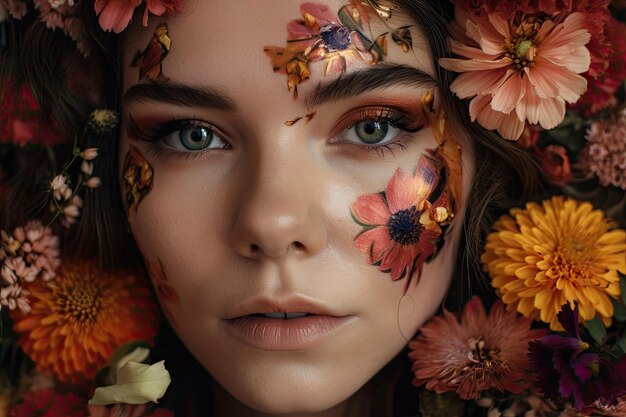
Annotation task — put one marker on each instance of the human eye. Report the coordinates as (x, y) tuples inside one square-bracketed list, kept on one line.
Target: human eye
[(378, 129), (180, 136)]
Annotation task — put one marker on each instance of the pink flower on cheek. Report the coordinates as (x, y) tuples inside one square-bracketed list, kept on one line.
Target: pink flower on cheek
[(115, 15), (401, 230)]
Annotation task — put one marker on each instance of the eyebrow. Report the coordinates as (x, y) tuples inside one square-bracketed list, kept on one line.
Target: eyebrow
[(379, 76), (179, 95)]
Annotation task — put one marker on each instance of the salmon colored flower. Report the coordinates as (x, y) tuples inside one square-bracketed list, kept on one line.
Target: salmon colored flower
[(80, 319), (115, 15), (561, 251), (480, 352), (401, 225), (161, 8), (520, 72)]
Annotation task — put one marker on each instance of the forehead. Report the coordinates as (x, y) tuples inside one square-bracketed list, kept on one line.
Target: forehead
[(221, 44)]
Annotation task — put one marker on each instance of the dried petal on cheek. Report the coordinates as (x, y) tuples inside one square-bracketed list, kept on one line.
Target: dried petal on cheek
[(138, 180), (166, 293)]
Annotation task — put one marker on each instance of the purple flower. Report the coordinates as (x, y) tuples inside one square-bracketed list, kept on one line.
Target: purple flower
[(566, 370)]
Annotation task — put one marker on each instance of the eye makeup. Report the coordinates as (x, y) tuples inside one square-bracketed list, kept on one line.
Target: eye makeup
[(138, 177)]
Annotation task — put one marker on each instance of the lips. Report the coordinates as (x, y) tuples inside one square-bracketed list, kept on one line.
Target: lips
[(293, 323)]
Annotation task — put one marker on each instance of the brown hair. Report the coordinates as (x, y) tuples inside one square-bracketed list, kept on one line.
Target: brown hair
[(505, 175)]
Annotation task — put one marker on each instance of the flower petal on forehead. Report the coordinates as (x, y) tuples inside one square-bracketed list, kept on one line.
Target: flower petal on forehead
[(319, 12), (297, 30), (401, 191), (371, 209)]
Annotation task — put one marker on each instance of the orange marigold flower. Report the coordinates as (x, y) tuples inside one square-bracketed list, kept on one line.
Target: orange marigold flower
[(553, 254), (477, 353), (81, 318)]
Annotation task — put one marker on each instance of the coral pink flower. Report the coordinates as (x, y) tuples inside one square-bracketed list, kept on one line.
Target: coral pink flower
[(115, 15), (478, 353), (518, 72), (401, 224)]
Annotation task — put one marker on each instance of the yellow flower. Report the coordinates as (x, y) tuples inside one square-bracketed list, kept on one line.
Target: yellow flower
[(564, 250)]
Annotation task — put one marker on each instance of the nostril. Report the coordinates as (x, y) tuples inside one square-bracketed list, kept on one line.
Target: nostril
[(254, 249), (299, 247)]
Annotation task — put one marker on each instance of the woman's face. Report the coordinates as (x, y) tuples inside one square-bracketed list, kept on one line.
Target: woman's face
[(240, 209)]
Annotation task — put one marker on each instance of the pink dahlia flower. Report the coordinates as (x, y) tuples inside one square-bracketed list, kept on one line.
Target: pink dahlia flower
[(518, 72), (605, 153), (477, 353)]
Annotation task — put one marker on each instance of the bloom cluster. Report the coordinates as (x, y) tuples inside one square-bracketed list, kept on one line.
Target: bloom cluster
[(561, 263)]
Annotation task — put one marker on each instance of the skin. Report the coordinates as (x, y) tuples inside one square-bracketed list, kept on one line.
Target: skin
[(271, 214)]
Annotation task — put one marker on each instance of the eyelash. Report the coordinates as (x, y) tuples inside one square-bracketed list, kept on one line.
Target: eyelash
[(396, 118)]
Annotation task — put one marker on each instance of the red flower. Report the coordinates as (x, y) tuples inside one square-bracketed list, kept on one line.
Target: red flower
[(555, 165), (49, 403), (401, 224), (21, 121)]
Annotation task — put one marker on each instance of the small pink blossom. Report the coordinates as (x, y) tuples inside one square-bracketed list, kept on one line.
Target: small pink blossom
[(89, 154), (71, 212), (86, 167), (93, 182), (605, 153), (520, 72)]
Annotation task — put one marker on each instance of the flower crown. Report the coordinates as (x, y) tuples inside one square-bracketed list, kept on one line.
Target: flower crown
[(547, 75)]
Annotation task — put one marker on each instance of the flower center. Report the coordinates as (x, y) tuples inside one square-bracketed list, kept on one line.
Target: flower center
[(482, 356), (574, 260), (335, 37), (80, 303), (404, 226), (520, 48)]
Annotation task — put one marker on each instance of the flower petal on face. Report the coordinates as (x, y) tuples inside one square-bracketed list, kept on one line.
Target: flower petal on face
[(297, 30), (374, 242), (509, 94), (401, 191), (371, 209), (320, 14), (399, 260), (427, 176)]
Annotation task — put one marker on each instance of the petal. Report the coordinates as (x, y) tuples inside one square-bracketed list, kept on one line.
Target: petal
[(375, 243), (469, 84), (511, 127), (540, 79), (401, 192), (551, 112), (509, 94), (371, 209), (570, 86), (462, 65)]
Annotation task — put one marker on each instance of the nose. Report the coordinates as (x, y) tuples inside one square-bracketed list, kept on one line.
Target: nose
[(277, 215)]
